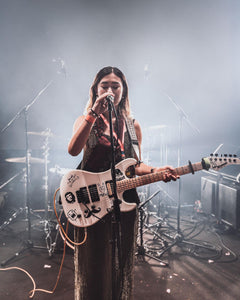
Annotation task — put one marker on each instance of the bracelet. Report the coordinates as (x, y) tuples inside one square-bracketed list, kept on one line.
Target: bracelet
[(93, 113), (139, 162), (90, 119)]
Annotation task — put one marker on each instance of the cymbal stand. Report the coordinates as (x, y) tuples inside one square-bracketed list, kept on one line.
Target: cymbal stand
[(47, 224), (45, 177), (141, 251)]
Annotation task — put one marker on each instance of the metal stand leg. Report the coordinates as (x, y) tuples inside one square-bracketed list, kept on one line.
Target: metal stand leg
[(141, 251)]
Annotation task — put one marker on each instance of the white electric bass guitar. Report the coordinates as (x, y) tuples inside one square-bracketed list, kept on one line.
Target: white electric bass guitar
[(87, 197)]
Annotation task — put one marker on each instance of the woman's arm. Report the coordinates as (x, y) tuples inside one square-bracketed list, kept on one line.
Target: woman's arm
[(83, 125), (81, 130), (142, 168)]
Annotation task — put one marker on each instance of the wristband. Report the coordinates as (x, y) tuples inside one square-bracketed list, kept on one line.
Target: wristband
[(94, 114), (90, 119)]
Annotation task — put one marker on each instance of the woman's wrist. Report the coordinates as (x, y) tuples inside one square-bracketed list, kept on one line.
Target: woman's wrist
[(90, 118), (93, 113)]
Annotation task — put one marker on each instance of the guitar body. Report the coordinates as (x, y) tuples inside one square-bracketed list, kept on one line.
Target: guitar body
[(87, 197)]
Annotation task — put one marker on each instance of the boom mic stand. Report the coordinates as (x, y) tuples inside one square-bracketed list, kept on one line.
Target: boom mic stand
[(24, 111), (179, 238)]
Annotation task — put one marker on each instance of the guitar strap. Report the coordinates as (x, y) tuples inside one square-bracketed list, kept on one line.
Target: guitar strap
[(133, 136)]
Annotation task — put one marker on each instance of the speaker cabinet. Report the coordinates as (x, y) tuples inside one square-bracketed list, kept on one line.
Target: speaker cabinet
[(229, 205), (208, 198), (221, 200)]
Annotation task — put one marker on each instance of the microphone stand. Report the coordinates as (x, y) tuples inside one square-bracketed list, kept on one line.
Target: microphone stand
[(24, 111), (116, 229), (179, 238)]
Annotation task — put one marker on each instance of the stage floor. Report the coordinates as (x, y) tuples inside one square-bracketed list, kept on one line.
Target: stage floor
[(210, 270)]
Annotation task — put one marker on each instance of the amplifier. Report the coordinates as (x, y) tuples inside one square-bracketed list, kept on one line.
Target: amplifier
[(208, 198), (229, 205), (221, 200)]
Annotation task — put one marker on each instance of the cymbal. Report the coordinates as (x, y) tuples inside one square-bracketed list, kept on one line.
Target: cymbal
[(32, 160), (41, 133)]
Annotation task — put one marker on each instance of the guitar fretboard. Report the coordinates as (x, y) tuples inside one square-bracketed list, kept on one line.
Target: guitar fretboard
[(131, 183)]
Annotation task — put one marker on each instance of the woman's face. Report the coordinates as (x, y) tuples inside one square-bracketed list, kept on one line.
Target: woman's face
[(111, 83)]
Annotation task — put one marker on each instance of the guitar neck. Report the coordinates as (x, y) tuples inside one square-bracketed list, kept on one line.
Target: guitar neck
[(131, 183)]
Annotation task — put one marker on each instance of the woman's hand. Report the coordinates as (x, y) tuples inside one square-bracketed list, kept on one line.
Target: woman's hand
[(169, 173), (100, 105)]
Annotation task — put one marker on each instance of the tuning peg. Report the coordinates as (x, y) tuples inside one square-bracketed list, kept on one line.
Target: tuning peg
[(225, 155), (230, 155), (216, 154)]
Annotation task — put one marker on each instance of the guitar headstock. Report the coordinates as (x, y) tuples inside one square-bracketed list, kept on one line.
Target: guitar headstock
[(218, 162)]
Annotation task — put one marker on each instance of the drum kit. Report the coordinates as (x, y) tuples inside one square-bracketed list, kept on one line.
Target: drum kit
[(27, 160), (27, 210)]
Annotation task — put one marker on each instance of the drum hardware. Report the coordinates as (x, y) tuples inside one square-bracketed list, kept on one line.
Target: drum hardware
[(60, 239), (21, 209), (142, 251), (45, 221), (45, 177)]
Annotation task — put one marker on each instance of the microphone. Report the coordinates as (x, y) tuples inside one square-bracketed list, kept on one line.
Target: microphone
[(110, 98)]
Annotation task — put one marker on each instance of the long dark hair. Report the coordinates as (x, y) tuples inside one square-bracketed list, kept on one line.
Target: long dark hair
[(123, 106)]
